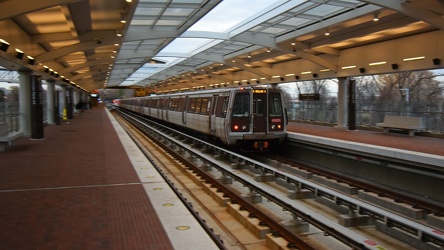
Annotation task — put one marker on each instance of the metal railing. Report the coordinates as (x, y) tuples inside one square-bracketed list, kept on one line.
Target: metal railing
[(9, 113), (433, 121)]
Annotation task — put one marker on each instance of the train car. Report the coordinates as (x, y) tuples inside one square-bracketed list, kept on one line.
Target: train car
[(252, 118)]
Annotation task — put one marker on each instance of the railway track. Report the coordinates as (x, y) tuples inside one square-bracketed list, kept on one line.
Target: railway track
[(257, 180)]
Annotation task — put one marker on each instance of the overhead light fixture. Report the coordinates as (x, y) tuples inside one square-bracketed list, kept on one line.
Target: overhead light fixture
[(375, 17), (327, 33), (4, 45), (46, 69), (413, 58), (349, 67), (31, 60), (268, 50), (376, 63), (19, 54), (305, 72)]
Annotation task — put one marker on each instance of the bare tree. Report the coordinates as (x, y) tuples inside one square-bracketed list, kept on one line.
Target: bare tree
[(417, 90)]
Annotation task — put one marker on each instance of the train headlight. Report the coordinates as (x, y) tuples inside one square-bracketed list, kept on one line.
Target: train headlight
[(244, 127), (279, 126), (236, 127), (273, 126)]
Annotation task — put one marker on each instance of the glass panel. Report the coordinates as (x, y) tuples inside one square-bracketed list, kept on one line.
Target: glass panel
[(258, 105), (241, 106), (198, 104), (275, 107), (204, 106)]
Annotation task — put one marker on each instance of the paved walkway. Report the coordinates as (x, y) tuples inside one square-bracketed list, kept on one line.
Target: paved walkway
[(76, 189), (429, 145)]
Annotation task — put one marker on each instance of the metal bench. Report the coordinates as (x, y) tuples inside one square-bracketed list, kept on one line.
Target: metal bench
[(6, 137), (409, 123)]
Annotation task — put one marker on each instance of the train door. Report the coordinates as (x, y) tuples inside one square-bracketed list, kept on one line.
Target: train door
[(166, 107), (212, 120), (260, 113), (185, 109)]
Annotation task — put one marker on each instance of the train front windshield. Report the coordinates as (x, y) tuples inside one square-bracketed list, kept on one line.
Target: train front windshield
[(267, 113)]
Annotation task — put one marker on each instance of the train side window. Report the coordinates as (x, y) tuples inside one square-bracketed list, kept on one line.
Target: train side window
[(204, 106), (182, 104), (222, 106), (198, 105), (174, 104), (275, 104), (241, 105), (192, 105), (154, 103)]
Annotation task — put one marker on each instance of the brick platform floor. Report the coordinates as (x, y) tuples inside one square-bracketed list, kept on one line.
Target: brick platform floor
[(76, 189), (415, 143)]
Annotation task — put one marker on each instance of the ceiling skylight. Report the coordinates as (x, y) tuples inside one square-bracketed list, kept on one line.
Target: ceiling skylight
[(229, 14)]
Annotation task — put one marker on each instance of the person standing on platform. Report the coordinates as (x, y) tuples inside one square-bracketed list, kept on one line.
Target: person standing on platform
[(79, 107)]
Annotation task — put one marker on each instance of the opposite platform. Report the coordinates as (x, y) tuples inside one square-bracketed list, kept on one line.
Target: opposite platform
[(77, 189), (422, 149)]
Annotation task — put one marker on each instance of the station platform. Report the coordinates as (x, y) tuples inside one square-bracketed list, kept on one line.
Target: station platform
[(87, 186), (423, 149)]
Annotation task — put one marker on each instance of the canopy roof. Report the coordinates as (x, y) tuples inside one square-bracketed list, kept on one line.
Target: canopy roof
[(161, 45)]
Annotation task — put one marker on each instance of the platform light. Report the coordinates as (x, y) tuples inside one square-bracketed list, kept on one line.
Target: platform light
[(375, 17), (325, 70), (305, 72), (19, 54), (31, 60), (376, 63), (413, 58), (4, 45), (349, 67)]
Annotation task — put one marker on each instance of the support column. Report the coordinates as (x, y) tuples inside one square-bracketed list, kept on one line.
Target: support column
[(25, 102), (50, 102), (57, 107), (37, 131), (351, 105), (69, 104), (63, 103), (342, 103)]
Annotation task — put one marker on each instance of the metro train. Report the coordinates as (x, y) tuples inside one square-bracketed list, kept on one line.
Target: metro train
[(252, 118)]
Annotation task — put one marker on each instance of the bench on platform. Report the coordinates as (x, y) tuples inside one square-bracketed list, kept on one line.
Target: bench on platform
[(409, 123), (6, 137)]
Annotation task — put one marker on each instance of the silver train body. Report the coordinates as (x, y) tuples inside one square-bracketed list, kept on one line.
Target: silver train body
[(253, 118)]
